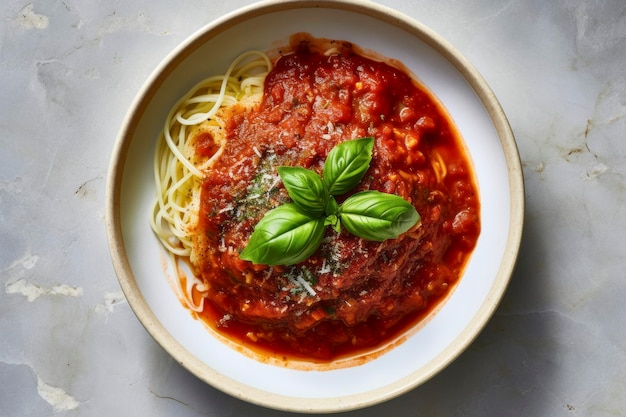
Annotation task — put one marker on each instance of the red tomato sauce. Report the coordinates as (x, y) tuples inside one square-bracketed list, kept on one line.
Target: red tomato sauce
[(353, 295)]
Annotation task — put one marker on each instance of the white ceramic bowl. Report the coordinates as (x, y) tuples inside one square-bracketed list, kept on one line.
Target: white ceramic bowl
[(137, 255)]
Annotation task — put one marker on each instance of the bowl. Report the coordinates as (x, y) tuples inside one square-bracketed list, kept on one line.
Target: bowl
[(137, 255)]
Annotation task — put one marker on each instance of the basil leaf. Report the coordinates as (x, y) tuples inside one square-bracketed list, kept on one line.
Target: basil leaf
[(332, 219), (346, 164), (306, 189), (377, 216), (292, 232), (286, 235), (331, 207)]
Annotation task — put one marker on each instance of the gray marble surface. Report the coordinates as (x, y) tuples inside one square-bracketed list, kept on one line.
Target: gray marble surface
[(69, 343)]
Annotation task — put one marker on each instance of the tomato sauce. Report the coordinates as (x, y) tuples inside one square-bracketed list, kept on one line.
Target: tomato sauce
[(352, 295)]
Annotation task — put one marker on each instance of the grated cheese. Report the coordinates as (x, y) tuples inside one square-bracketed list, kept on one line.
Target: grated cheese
[(227, 208), (324, 269), (306, 286)]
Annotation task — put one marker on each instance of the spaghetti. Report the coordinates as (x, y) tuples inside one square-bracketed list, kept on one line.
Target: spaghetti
[(178, 170), (215, 172)]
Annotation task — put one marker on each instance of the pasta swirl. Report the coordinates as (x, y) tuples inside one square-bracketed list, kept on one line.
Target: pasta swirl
[(178, 171)]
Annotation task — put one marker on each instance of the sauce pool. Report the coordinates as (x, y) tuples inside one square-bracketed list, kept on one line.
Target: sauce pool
[(353, 295)]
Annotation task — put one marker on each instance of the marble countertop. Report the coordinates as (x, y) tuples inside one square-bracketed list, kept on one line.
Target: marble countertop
[(70, 344)]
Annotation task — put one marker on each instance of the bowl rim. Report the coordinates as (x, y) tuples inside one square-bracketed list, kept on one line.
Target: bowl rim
[(239, 390)]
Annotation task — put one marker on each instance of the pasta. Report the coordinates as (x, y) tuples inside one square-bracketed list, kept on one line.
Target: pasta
[(177, 170), (215, 170)]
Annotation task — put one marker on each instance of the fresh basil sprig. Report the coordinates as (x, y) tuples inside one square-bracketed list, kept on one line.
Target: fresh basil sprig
[(292, 232)]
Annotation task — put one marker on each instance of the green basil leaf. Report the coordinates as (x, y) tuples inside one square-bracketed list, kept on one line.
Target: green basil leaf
[(306, 189), (377, 216), (332, 219), (332, 207), (286, 235), (346, 164)]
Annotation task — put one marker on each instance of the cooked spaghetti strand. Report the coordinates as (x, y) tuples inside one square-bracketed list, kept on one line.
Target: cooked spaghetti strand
[(177, 172)]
